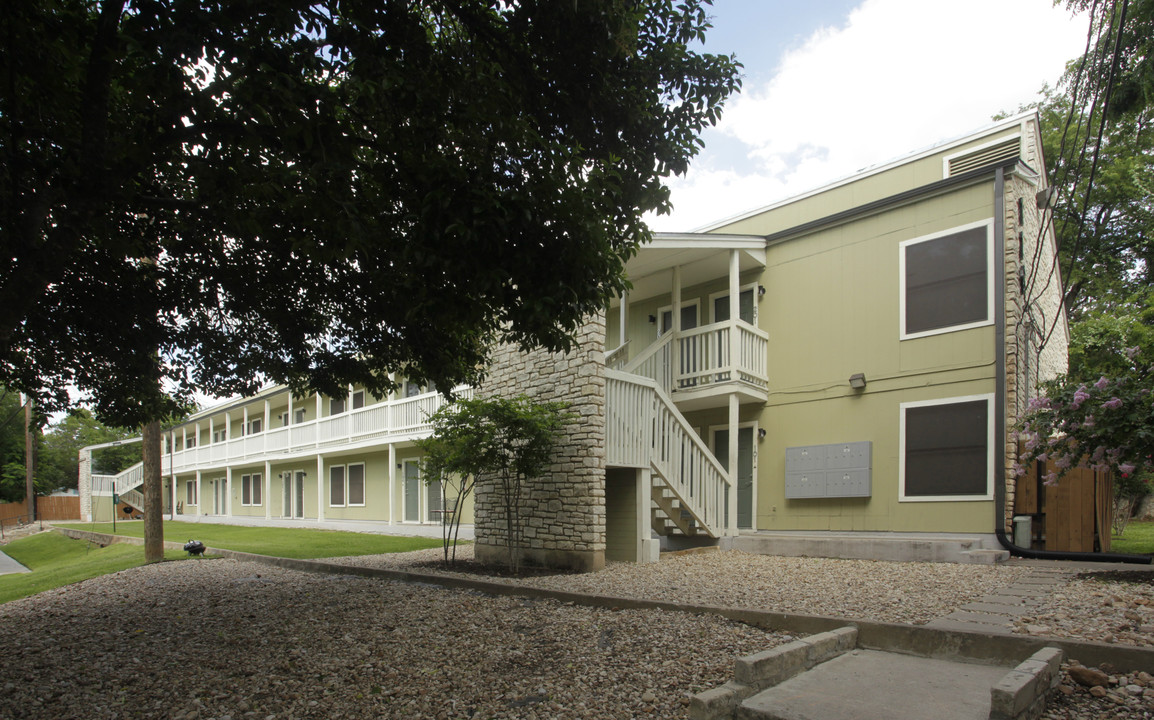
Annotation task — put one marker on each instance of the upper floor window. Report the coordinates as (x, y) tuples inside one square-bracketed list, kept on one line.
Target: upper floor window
[(947, 280), (358, 399), (255, 426), (336, 406)]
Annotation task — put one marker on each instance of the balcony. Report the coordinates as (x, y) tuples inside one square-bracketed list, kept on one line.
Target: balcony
[(397, 420), (698, 367)]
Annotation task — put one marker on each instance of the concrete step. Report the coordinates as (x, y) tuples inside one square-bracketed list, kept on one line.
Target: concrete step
[(875, 685)]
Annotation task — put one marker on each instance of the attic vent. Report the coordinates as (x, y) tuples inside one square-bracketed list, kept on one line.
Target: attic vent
[(988, 155)]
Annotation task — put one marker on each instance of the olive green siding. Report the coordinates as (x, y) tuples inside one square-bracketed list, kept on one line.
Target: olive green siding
[(621, 539)]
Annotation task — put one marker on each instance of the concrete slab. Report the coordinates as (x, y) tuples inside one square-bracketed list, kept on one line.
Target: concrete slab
[(872, 685), (983, 619), (9, 566), (967, 627), (1011, 600), (996, 608)]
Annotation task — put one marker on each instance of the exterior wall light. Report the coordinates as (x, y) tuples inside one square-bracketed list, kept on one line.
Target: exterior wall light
[(761, 291), (761, 433), (652, 319), (857, 381)]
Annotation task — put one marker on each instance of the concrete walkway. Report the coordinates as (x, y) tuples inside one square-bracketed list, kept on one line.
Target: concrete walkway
[(872, 685), (995, 613), (8, 565)]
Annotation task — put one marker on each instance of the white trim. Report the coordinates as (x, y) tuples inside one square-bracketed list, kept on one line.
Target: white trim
[(254, 480), (725, 293), (364, 484), (1020, 120), (713, 448), (695, 302), (990, 273), (990, 449)]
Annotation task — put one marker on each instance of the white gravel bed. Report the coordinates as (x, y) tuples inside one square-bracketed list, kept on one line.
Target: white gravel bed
[(224, 639), (1111, 607), (911, 593)]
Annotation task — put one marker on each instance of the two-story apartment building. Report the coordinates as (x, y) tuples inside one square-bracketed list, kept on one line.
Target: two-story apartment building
[(834, 374)]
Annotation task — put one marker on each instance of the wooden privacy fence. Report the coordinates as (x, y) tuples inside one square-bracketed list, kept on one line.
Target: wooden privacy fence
[(1075, 515), (48, 507)]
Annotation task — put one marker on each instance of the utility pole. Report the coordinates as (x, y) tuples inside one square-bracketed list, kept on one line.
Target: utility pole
[(29, 462)]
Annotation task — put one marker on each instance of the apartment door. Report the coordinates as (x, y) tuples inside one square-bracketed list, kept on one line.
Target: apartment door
[(412, 491), (219, 496), (293, 494), (745, 473), (689, 347)]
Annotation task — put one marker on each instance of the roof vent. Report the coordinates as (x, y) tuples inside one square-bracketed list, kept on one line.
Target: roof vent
[(983, 156)]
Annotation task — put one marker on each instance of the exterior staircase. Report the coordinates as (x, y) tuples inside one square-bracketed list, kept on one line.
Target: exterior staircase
[(645, 430)]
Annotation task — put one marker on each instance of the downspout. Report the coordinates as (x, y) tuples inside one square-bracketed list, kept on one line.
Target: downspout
[(1000, 403)]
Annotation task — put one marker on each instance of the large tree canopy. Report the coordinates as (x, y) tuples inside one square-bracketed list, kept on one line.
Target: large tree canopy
[(205, 195)]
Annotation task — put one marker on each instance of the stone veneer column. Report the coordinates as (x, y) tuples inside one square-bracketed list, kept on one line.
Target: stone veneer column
[(563, 511)]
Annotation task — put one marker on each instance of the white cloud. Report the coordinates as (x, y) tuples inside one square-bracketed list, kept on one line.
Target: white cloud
[(897, 76)]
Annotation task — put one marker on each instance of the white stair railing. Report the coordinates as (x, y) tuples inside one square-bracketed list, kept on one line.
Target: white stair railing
[(645, 429)]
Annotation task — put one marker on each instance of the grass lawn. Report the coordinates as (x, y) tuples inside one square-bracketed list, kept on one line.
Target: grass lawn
[(1138, 538), (56, 560), (298, 543)]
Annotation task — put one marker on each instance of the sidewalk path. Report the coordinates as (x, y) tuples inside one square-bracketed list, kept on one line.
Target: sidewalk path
[(8, 565)]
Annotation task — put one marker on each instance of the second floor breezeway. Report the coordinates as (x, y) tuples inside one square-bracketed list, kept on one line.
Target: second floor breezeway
[(690, 322), (276, 424)]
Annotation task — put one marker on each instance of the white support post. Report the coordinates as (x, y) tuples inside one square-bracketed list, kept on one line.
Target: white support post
[(733, 423), (267, 418), (244, 421), (320, 480), (648, 547), (290, 413), (675, 344), (622, 334), (172, 488), (226, 435), (227, 481), (211, 439), (199, 499), (392, 482), (734, 314), (267, 497), (317, 436)]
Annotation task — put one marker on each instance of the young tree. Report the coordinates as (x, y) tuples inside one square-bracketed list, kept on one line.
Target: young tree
[(12, 470), (206, 196), (502, 442)]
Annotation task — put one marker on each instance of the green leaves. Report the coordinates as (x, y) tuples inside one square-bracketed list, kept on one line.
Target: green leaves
[(326, 193)]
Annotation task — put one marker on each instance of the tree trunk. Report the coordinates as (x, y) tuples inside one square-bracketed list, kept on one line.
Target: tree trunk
[(153, 502), (29, 464)]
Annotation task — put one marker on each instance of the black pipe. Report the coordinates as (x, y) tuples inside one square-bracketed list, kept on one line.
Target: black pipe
[(1000, 402)]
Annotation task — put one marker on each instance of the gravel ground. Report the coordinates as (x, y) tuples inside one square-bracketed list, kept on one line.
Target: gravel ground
[(228, 639), (912, 593)]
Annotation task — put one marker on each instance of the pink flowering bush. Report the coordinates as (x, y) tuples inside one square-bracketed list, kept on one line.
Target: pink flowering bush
[(1108, 423)]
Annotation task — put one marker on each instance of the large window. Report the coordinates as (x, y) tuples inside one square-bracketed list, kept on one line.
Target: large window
[(947, 282), (250, 489), (347, 485), (947, 449), (190, 492)]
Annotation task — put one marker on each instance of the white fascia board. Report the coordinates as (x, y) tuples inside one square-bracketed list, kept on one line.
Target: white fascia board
[(1010, 122)]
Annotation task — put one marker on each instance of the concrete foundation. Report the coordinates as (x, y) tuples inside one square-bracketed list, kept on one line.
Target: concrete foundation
[(894, 547)]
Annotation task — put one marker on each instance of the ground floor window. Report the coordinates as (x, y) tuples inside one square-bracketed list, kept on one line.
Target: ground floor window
[(947, 449), (190, 492), (347, 485), (250, 489)]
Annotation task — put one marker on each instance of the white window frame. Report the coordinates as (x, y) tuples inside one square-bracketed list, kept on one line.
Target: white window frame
[(252, 482), (725, 293), (695, 302), (220, 435), (300, 415), (283, 418), (364, 485), (190, 493), (344, 405), (344, 467), (359, 396), (990, 449), (988, 223), (256, 426)]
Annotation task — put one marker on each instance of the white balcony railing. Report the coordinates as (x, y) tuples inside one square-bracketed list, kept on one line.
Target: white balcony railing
[(402, 418), (705, 356)]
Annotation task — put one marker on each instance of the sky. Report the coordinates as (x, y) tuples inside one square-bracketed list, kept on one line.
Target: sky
[(834, 86)]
